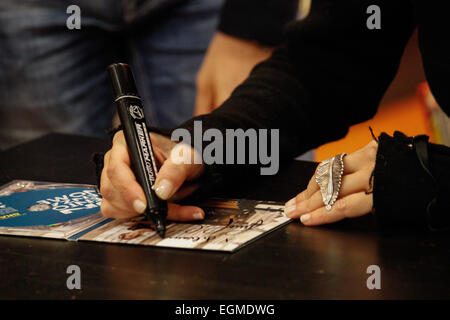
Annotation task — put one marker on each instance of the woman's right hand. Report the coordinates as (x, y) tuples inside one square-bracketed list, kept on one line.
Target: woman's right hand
[(122, 195)]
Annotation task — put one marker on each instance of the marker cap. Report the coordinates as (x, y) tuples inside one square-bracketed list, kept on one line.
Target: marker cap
[(122, 80)]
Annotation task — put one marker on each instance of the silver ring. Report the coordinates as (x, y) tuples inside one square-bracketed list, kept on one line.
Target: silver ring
[(329, 178)]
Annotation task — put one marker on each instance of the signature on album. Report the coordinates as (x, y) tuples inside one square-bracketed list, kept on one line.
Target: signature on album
[(207, 232)]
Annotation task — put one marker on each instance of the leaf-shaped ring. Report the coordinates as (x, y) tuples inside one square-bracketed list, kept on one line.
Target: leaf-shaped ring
[(329, 178)]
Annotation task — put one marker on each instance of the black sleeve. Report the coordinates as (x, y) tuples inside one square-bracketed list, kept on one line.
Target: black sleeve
[(411, 183), (259, 20), (435, 48), (331, 73)]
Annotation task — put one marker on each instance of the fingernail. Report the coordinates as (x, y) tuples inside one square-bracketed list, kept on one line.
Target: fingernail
[(290, 202), (139, 206), (164, 189), (289, 210), (305, 217), (197, 216)]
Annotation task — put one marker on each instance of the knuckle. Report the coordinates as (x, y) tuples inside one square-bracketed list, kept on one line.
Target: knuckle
[(111, 170), (308, 192), (307, 206), (106, 157), (341, 205), (127, 195), (105, 190), (371, 150), (117, 137)]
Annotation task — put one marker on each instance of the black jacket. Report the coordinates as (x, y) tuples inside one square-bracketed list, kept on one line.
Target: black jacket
[(330, 73)]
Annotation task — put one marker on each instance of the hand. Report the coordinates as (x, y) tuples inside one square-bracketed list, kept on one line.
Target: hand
[(353, 201), (122, 195), (227, 63)]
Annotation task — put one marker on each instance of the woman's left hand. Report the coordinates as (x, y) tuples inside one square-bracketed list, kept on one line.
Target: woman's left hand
[(353, 200)]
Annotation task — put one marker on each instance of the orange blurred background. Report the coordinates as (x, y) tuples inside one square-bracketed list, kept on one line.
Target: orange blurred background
[(401, 109)]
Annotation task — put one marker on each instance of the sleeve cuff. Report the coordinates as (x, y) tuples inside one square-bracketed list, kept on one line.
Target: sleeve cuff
[(405, 194)]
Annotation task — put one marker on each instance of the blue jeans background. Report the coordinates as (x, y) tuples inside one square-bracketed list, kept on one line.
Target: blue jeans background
[(53, 79)]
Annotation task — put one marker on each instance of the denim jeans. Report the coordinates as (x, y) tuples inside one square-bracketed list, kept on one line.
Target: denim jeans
[(53, 79)]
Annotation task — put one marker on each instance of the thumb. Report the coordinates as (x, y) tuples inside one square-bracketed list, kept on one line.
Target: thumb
[(184, 164)]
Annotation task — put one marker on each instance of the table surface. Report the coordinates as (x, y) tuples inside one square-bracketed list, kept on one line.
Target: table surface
[(293, 262)]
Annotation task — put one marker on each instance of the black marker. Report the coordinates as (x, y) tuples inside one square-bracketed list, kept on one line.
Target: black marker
[(143, 162)]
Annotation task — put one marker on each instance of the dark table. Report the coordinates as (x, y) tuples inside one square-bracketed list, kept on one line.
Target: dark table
[(293, 262)]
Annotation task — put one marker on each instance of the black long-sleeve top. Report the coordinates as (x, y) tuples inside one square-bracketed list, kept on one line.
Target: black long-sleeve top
[(330, 73)]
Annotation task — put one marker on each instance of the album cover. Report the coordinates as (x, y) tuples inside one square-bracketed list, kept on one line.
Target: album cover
[(49, 210)]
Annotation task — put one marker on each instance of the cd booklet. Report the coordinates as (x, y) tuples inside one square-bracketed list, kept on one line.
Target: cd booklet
[(72, 212)]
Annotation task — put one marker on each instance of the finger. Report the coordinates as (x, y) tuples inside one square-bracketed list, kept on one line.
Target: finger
[(175, 212), (362, 158), (119, 151), (162, 145), (184, 213), (174, 172), (106, 158), (351, 206), (351, 183), (121, 187), (352, 163), (110, 211), (184, 191), (121, 208), (310, 190), (105, 165)]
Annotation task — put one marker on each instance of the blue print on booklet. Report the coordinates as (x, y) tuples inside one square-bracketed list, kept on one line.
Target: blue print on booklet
[(48, 206)]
